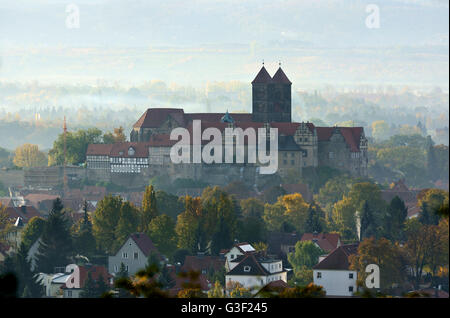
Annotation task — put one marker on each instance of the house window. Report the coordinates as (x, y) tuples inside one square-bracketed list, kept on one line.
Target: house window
[(331, 155), (247, 269), (319, 275), (232, 256), (116, 269), (292, 162), (124, 255), (136, 255), (203, 271), (350, 275), (126, 266), (285, 162), (350, 289), (69, 293)]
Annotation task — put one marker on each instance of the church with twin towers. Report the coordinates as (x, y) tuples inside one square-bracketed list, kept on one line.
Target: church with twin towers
[(301, 145)]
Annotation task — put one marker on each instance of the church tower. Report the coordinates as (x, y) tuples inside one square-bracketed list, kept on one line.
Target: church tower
[(271, 97)]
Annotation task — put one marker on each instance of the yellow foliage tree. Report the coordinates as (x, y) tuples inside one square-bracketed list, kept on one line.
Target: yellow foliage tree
[(28, 155)]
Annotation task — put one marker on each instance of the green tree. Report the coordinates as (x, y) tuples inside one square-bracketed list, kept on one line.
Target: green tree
[(306, 255), (55, 246), (83, 238), (315, 221), (395, 218), (28, 286), (32, 231), (169, 204), (90, 288), (149, 209), (368, 226), (127, 224), (162, 232), (222, 237), (76, 146), (104, 222)]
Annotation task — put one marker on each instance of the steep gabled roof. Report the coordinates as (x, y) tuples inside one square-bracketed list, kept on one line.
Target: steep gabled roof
[(144, 243), (280, 77), (338, 259), (99, 149), (154, 117), (352, 135), (326, 241), (249, 262), (263, 77)]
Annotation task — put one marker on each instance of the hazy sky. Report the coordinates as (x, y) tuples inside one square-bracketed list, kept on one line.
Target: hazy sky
[(194, 41)]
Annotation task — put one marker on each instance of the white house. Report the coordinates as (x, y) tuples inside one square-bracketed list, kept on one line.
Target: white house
[(333, 272), (237, 250), (254, 271), (133, 254)]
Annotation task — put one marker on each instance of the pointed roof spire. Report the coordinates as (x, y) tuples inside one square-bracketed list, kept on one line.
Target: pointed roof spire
[(280, 77), (262, 77)]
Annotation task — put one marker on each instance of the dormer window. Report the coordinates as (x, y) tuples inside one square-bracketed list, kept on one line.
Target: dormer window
[(131, 151), (247, 269)]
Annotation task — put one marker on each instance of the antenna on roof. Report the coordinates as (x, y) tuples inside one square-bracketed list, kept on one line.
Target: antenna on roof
[(279, 63), (263, 62)]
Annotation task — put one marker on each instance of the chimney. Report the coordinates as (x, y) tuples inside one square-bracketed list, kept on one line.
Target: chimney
[(23, 209)]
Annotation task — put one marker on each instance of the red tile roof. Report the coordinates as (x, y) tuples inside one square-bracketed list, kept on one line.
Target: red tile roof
[(35, 199), (99, 149), (154, 117), (120, 149), (339, 258), (26, 212), (145, 244), (199, 263), (351, 135), (326, 241)]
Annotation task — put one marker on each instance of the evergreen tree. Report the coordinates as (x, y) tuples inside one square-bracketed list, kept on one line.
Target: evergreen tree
[(395, 218), (55, 247), (102, 287), (149, 209), (84, 240), (122, 274), (128, 222), (28, 285), (90, 288), (313, 223), (427, 216), (368, 227), (221, 238)]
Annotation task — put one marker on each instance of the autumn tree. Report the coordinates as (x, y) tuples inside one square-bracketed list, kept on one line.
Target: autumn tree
[(216, 291), (187, 224), (116, 136), (383, 253), (6, 225), (28, 156)]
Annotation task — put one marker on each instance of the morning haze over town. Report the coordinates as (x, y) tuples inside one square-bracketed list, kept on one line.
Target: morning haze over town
[(224, 149)]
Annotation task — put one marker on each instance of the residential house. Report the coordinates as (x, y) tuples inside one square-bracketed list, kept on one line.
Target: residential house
[(280, 243), (333, 273), (236, 251), (70, 280), (203, 264), (74, 285), (326, 241), (254, 271), (133, 254)]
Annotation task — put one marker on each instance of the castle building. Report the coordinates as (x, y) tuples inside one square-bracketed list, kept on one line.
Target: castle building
[(300, 145)]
